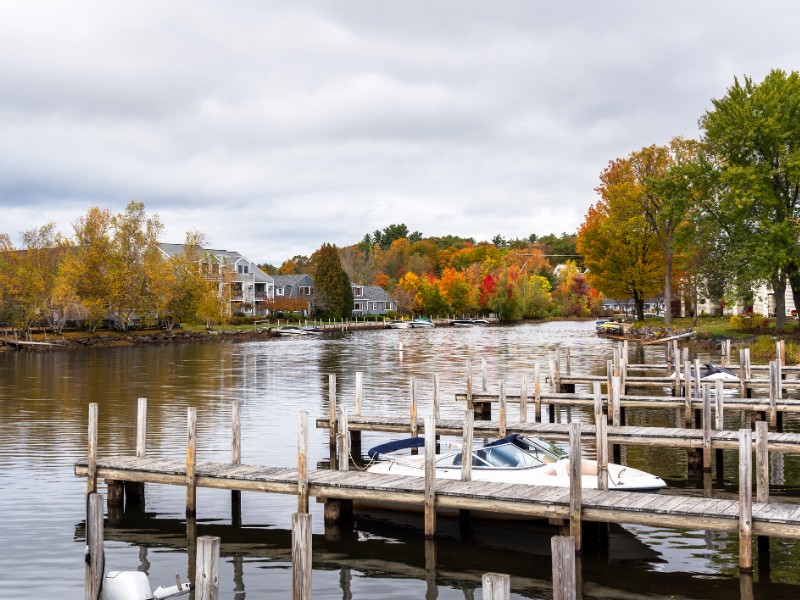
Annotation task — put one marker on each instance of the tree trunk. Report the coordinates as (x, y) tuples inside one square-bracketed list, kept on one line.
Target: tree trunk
[(779, 287), (638, 304), (667, 288)]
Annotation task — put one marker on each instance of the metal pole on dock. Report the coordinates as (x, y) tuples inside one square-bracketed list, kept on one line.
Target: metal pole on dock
[(95, 560), (496, 586), (564, 579), (206, 583), (301, 556)]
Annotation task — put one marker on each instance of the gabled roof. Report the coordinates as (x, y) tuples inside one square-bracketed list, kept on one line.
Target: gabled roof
[(281, 281), (227, 256), (374, 293)]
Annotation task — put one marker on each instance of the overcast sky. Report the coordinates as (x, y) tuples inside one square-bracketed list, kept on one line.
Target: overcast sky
[(276, 126)]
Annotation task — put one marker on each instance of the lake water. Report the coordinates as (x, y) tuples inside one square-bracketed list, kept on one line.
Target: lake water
[(44, 400)]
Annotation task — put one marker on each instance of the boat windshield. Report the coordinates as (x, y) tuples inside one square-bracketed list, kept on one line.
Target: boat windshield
[(540, 448), (506, 456)]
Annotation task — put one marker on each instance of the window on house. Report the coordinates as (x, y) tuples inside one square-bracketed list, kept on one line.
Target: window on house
[(374, 306), (358, 290), (305, 290), (243, 269), (279, 291), (359, 306)]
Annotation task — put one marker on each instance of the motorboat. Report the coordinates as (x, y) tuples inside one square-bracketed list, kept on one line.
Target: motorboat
[(398, 324), (468, 322), (135, 585), (420, 322), (289, 330), (709, 372), (513, 459)]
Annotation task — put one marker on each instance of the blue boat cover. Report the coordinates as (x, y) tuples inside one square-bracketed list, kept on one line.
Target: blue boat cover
[(506, 440), (388, 447)]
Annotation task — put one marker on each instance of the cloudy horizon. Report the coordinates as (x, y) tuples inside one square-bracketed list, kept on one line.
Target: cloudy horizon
[(274, 127)]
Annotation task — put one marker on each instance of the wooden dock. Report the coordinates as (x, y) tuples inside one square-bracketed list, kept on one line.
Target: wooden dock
[(666, 437), (782, 520)]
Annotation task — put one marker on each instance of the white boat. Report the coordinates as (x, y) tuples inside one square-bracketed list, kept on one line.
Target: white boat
[(515, 459), (709, 372), (468, 322), (420, 322), (134, 585), (398, 324), (291, 330)]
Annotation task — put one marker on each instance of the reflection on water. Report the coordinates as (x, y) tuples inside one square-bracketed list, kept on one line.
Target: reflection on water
[(43, 408)]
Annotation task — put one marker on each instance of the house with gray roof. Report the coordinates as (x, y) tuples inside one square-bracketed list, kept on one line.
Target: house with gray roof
[(293, 287), (251, 288), (372, 300)]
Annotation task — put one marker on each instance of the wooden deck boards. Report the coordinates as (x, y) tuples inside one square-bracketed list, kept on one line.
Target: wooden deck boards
[(788, 443), (778, 519)]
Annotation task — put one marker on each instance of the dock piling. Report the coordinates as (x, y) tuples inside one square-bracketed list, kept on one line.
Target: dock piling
[(745, 501), (91, 480), (95, 560), (191, 461), (575, 508), (206, 583), (301, 556), (496, 586), (302, 462), (564, 572), (430, 477)]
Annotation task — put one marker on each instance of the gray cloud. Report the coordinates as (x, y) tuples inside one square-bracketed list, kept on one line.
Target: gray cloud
[(276, 126)]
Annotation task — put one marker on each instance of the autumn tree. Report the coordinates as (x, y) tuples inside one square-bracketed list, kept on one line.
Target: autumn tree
[(617, 243), (754, 134)]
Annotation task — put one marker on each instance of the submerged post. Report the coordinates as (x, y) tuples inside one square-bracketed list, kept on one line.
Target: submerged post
[(564, 577), (496, 586), (206, 583), (301, 556), (93, 574)]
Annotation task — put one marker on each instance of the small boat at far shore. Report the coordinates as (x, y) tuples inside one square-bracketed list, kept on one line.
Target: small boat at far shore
[(420, 322), (468, 322), (398, 324)]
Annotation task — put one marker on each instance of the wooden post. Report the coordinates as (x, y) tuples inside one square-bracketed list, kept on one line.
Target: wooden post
[(436, 388), (95, 561), (206, 583), (412, 390), (706, 427), (745, 501), (91, 480), (359, 385), (598, 399), (677, 389), (780, 352), (496, 586), (762, 462), (773, 394), (469, 385), (698, 388), (301, 556), (430, 477), (332, 409), (742, 374), (537, 392), (564, 578), (552, 373), (687, 395), (601, 433), (191, 461), (719, 424), (236, 432), (523, 399), (141, 427), (302, 462), (575, 483), (615, 397), (502, 408), (466, 447), (344, 444), (569, 361), (484, 375)]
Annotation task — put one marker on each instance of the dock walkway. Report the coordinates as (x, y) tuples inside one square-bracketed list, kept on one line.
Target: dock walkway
[(772, 519)]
